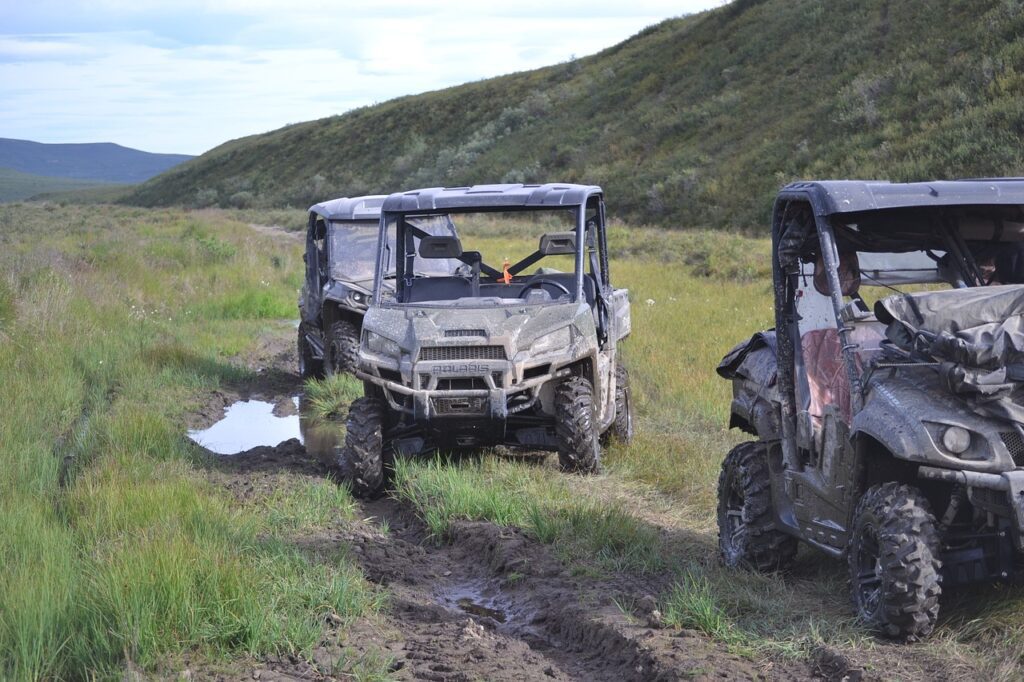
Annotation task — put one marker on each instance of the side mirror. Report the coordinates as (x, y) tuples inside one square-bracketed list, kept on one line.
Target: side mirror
[(557, 244)]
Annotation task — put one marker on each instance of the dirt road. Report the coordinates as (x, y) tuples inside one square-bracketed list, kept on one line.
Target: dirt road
[(489, 603)]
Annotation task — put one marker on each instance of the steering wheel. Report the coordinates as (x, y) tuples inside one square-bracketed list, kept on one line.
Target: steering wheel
[(536, 282)]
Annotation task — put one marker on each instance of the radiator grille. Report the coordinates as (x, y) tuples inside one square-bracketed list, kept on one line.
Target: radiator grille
[(448, 353), (1014, 442), (450, 333), (460, 405)]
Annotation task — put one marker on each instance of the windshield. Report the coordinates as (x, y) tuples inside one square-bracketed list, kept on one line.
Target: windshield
[(497, 257), (354, 248)]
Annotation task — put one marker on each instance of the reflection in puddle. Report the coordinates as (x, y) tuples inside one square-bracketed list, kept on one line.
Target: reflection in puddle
[(247, 424), (474, 609), (323, 439), (477, 599)]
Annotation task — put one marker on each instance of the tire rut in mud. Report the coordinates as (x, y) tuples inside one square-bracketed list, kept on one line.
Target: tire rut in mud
[(493, 604)]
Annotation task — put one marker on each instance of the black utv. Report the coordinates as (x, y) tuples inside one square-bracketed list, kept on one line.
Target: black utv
[(341, 253), (887, 405)]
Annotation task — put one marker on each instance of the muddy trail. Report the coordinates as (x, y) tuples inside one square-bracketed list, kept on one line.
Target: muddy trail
[(484, 603)]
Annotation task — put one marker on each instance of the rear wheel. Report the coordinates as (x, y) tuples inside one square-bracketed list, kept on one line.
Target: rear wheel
[(893, 561), (341, 348), (309, 367), (746, 532), (622, 428), (364, 462), (579, 449)]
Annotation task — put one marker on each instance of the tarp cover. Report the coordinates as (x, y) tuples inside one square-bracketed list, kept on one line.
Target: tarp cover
[(976, 334)]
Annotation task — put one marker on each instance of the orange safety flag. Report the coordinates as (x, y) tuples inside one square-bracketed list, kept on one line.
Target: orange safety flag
[(506, 276)]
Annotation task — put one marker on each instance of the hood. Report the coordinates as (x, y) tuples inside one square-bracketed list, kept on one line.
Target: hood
[(516, 328)]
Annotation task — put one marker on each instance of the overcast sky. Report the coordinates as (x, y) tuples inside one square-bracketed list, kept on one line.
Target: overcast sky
[(186, 75)]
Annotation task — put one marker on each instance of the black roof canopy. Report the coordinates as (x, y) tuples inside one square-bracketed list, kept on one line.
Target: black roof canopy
[(491, 197), (830, 197)]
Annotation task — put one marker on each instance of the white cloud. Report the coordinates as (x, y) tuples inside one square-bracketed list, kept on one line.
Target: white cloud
[(188, 76)]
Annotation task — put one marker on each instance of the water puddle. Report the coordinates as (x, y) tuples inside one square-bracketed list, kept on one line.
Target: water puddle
[(323, 439), (481, 600), (474, 609), (247, 424)]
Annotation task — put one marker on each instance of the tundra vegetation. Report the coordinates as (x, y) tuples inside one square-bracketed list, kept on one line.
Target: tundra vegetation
[(695, 121), (119, 552)]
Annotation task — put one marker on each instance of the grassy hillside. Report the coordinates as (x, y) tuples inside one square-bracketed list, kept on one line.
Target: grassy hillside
[(15, 186), (693, 122), (103, 161)]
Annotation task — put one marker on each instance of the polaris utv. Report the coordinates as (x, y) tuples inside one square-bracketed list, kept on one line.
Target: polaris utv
[(888, 402), (472, 349), (341, 253)]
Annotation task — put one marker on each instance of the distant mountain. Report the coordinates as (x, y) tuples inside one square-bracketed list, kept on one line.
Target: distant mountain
[(16, 186), (694, 122), (103, 161)]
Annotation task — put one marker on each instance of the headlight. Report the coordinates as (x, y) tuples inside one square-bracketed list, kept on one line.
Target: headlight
[(956, 439), (553, 341), (382, 345), (357, 296)]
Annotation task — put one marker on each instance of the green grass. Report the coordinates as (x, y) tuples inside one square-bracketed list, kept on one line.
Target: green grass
[(693, 122), (328, 399), (527, 496), (110, 330), (115, 548)]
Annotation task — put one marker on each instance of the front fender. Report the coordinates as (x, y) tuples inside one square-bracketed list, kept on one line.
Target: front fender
[(895, 414)]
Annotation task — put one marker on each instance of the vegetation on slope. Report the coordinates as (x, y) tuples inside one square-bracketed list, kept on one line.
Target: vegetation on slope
[(693, 122)]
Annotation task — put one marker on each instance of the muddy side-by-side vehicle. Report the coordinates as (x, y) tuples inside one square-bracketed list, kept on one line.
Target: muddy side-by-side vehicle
[(341, 255), (888, 402), (520, 352)]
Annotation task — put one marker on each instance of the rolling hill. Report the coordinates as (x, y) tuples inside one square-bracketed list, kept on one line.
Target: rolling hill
[(102, 161), (694, 122)]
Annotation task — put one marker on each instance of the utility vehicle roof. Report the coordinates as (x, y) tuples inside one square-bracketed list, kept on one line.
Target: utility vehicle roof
[(849, 196), (355, 208), (491, 197)]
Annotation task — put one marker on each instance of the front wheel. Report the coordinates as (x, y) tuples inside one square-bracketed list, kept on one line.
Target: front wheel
[(576, 428), (747, 535), (893, 562), (341, 348), (363, 462)]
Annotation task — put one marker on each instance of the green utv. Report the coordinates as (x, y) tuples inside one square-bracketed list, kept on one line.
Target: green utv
[(463, 349), (888, 402)]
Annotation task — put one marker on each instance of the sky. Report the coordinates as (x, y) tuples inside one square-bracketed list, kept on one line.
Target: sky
[(183, 76)]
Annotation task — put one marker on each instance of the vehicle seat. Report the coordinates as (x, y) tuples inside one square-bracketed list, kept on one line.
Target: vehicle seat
[(438, 289)]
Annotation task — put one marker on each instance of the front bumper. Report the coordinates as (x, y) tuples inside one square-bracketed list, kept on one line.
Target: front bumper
[(1002, 494), (499, 393)]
